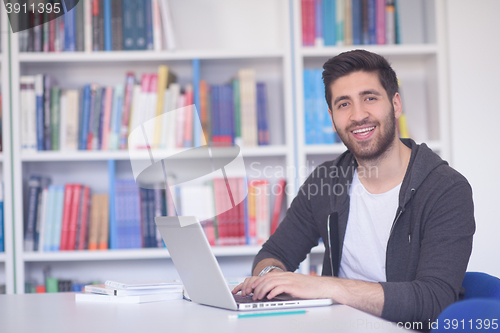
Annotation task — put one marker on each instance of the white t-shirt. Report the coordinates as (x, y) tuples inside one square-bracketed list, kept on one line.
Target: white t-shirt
[(368, 228)]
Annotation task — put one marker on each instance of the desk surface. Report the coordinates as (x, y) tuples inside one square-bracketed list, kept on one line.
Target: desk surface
[(59, 312)]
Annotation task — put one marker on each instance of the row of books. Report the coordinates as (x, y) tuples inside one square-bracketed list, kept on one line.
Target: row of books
[(317, 120), (100, 25), (362, 22), (69, 217), (101, 118), (65, 217), (53, 285)]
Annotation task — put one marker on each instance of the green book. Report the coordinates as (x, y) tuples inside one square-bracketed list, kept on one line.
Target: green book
[(237, 111), (55, 117), (51, 285)]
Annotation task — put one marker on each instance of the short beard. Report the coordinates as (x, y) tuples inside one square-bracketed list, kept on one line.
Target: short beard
[(380, 148)]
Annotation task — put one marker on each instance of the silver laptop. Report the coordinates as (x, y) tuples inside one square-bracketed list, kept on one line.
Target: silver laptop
[(201, 274)]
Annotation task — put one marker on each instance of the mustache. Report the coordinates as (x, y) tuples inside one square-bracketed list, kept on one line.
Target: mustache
[(364, 122)]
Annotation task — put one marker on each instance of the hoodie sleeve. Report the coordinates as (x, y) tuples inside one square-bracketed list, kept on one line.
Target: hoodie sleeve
[(296, 234), (445, 248)]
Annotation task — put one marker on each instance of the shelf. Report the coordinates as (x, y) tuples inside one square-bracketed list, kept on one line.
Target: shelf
[(385, 50), (135, 254), (123, 56), (47, 156), (132, 254)]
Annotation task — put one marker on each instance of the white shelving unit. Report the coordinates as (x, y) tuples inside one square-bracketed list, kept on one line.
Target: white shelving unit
[(246, 34), (422, 70), (6, 257)]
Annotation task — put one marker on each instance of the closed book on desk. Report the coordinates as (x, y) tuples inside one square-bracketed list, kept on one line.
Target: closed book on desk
[(142, 284), (90, 297), (105, 290)]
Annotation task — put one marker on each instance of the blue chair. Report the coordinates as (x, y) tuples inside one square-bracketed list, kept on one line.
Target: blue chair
[(470, 315), (480, 309), (482, 285)]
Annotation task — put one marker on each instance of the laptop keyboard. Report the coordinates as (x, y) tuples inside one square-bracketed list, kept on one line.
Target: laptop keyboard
[(248, 298)]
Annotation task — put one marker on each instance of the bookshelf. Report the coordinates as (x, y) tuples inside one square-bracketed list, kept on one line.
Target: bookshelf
[(6, 257), (260, 34), (421, 69), (264, 47)]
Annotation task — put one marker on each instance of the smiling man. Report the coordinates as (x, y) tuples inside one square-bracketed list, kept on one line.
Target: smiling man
[(396, 220)]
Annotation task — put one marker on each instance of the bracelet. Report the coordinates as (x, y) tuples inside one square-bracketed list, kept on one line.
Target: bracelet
[(268, 269)]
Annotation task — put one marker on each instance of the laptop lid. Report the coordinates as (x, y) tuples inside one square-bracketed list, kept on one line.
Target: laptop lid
[(196, 264)]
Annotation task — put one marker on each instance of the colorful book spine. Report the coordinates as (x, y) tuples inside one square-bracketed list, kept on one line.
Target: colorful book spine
[(140, 25), (65, 229), (329, 18), (30, 221), (108, 36), (129, 25)]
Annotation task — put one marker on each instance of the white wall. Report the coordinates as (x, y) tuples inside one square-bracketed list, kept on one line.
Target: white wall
[(474, 73)]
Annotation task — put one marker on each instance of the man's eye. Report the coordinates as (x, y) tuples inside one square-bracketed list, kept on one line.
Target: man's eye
[(371, 99), (343, 105)]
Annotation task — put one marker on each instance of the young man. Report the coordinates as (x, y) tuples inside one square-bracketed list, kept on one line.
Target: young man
[(396, 220)]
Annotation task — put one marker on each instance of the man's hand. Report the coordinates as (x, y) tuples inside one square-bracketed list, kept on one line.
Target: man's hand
[(365, 296), (276, 282)]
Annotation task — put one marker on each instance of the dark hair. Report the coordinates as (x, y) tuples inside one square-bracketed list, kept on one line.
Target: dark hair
[(355, 61)]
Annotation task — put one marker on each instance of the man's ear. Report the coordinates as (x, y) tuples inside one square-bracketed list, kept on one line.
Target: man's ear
[(398, 106), (331, 118)]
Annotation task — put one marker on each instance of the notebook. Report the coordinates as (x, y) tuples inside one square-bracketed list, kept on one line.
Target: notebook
[(201, 274)]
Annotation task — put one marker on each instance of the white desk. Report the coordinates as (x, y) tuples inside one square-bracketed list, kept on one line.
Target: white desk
[(59, 313)]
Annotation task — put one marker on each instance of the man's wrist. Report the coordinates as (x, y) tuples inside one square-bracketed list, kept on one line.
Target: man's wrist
[(268, 269)]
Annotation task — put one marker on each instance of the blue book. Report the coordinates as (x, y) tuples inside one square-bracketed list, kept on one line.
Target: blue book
[(262, 114), (58, 216), (372, 22), (39, 83), (133, 219), (151, 220), (116, 117), (329, 22), (229, 112), (108, 36), (357, 22), (144, 216), (49, 218), (112, 213), (214, 98), (85, 118), (70, 31), (140, 25), (149, 25), (310, 128), (128, 24), (47, 131), (326, 134), (196, 97)]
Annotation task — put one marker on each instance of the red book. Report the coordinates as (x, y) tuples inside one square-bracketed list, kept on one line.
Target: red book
[(68, 196), (40, 289), (278, 202), (73, 219), (308, 22), (82, 242), (219, 209)]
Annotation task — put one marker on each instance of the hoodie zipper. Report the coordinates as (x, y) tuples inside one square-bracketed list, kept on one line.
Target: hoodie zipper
[(400, 211)]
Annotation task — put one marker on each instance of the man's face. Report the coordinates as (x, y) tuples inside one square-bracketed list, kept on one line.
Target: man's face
[(363, 115)]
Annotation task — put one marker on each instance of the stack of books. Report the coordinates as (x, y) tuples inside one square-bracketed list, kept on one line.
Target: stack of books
[(131, 292)]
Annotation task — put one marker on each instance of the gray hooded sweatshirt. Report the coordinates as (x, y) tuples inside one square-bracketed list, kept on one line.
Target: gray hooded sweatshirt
[(430, 240)]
